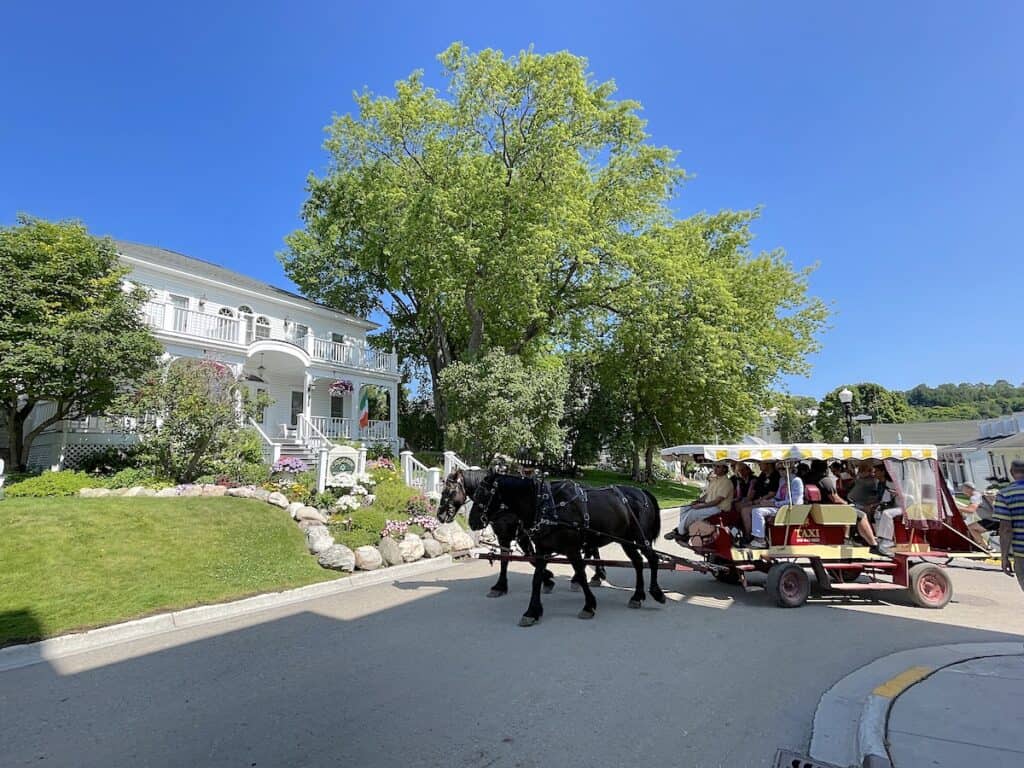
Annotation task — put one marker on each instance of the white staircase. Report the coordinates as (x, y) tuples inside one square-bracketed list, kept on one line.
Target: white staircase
[(290, 447)]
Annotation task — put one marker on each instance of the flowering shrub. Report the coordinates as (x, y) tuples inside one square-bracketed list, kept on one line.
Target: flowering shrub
[(395, 528), (347, 504), (382, 463), (426, 522), (419, 505), (291, 464)]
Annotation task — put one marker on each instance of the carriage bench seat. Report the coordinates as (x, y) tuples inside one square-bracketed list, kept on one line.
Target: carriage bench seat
[(792, 514), (834, 514)]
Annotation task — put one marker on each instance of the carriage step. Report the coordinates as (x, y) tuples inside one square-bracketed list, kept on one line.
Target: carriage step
[(874, 585)]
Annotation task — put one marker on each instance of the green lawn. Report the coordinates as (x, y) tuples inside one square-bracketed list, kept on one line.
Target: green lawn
[(667, 493), (70, 563)]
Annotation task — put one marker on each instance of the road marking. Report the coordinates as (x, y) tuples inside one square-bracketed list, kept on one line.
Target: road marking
[(897, 685)]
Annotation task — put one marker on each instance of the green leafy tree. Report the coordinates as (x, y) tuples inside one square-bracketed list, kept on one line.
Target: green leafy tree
[(795, 418), (71, 333), (883, 405), (707, 329), (501, 404), (495, 214), (189, 414)]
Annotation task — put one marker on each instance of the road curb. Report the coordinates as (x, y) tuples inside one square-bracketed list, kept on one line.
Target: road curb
[(17, 656), (851, 718)]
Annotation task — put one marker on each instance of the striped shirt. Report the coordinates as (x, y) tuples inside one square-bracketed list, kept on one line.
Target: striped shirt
[(1010, 509)]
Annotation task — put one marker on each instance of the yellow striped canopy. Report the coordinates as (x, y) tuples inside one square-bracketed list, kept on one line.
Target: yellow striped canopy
[(798, 451)]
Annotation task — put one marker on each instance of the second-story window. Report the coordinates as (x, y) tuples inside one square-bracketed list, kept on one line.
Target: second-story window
[(262, 327), (245, 313)]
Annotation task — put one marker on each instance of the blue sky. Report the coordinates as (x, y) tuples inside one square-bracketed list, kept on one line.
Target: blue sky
[(882, 139)]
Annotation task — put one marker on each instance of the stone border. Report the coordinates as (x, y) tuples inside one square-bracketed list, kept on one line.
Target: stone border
[(852, 716), (17, 656)]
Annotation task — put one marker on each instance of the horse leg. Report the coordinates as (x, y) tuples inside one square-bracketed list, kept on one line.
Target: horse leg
[(535, 610), (655, 590), (600, 575), (580, 577), (637, 600), (501, 585), (549, 577)]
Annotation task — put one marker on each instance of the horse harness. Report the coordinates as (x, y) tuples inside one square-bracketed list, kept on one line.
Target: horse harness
[(549, 511)]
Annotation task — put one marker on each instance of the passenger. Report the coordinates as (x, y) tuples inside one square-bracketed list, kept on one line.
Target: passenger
[(972, 512), (844, 480), (765, 486), (742, 483), (866, 491), (788, 493), (830, 495), (889, 507), (717, 497)]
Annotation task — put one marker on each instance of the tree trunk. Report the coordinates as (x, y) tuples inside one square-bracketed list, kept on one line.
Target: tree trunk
[(18, 443), (634, 462), (649, 462)]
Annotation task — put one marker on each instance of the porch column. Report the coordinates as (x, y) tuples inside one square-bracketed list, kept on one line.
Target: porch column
[(353, 417), (307, 399), (393, 408)]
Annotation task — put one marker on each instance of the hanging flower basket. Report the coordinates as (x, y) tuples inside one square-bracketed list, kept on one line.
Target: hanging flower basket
[(341, 387)]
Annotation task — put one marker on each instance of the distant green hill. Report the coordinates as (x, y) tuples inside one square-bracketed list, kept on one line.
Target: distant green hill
[(964, 401)]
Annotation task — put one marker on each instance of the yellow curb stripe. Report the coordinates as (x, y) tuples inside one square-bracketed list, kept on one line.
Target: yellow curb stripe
[(894, 687)]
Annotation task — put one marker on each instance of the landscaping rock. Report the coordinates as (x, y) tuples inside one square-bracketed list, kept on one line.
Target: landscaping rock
[(119, 491), (135, 490), (310, 513), (338, 558), (166, 493), (278, 500), (148, 492), (390, 551), (411, 547), (318, 539), (368, 558), (261, 494), (293, 509), (452, 538), (432, 548), (214, 490), (94, 493), (191, 490), (242, 492)]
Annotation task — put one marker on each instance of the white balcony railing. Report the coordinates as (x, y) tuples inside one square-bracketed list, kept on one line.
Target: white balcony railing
[(204, 325), (377, 430), (333, 427)]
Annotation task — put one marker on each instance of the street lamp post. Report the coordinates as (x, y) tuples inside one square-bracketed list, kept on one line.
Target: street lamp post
[(846, 398)]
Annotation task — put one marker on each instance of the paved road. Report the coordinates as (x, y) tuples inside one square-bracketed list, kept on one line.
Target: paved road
[(431, 673)]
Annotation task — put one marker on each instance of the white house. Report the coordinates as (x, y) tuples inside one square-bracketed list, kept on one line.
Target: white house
[(277, 341), (995, 444)]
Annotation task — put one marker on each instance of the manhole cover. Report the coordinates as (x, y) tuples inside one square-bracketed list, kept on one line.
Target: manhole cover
[(784, 758)]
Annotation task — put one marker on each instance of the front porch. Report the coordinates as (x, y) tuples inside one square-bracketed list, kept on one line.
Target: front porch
[(313, 406)]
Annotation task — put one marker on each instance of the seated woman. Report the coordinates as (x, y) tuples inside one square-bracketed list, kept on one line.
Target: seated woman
[(889, 507), (766, 484), (830, 495), (717, 497), (791, 492)]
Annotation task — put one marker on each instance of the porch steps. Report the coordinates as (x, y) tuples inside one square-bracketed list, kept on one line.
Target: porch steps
[(295, 449)]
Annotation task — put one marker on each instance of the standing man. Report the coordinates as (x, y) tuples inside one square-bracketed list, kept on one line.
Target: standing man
[(1010, 514), (717, 497)]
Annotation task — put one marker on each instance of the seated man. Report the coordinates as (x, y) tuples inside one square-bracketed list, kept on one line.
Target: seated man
[(888, 508), (830, 495), (791, 492), (972, 512), (766, 485), (717, 497)]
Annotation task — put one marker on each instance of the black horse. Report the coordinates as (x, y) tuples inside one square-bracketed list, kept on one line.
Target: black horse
[(458, 488), (564, 517)]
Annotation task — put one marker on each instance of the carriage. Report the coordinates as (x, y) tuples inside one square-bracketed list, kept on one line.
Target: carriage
[(930, 531)]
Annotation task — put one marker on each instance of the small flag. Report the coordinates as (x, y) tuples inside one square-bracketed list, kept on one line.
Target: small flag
[(364, 408)]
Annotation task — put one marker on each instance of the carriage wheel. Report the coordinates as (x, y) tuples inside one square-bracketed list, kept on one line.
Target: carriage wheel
[(788, 585), (930, 586)]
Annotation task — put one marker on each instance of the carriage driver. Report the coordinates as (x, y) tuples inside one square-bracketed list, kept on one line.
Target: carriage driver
[(717, 497)]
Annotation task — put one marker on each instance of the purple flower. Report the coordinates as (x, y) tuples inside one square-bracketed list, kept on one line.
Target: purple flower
[(290, 464)]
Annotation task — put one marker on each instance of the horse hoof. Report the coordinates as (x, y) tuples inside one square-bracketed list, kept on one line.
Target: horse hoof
[(549, 587), (527, 621), (659, 596), (636, 603), (596, 581), (585, 614), (497, 593), (574, 587)]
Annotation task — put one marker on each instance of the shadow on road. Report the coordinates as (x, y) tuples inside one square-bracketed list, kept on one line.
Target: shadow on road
[(432, 673)]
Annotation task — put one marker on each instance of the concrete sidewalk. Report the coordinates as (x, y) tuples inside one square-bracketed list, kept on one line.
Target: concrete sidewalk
[(965, 714)]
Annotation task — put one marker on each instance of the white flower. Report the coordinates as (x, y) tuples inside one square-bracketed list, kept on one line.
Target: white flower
[(358, 490), (347, 503)]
